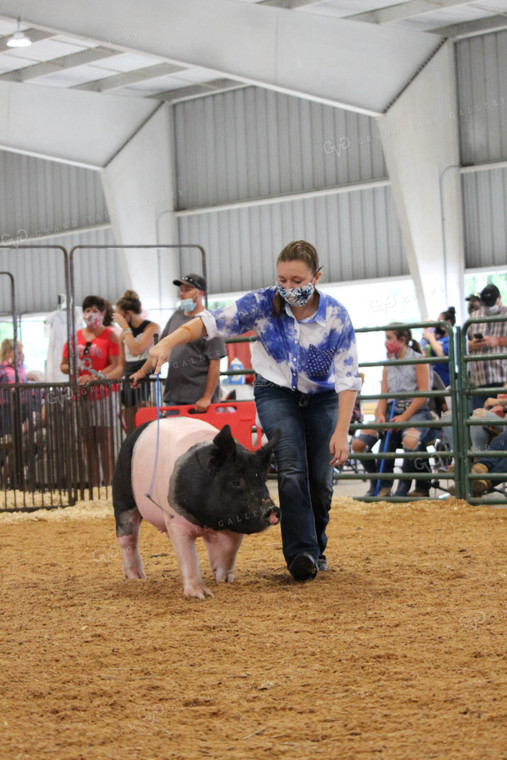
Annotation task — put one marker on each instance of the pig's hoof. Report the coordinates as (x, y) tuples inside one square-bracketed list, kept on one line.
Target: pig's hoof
[(132, 563), (224, 576), (197, 591), (134, 573), (133, 568)]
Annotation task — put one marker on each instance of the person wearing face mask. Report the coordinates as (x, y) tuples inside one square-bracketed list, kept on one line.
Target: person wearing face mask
[(488, 338), (194, 371), (306, 380), (399, 344), (438, 341), (137, 337), (98, 357), (8, 370), (8, 426)]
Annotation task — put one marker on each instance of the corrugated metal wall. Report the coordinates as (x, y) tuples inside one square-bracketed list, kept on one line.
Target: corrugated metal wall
[(482, 97), (38, 200), (39, 274), (482, 92), (253, 143), (39, 197), (485, 201), (357, 236)]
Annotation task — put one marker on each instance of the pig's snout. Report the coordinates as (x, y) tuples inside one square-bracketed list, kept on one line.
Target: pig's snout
[(273, 515)]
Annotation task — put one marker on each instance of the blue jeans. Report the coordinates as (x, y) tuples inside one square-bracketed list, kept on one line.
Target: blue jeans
[(477, 401), (305, 477), (395, 440), (497, 464)]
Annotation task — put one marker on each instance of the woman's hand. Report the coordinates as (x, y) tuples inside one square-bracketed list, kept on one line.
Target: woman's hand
[(120, 320), (136, 377), (159, 354), (398, 418), (339, 448)]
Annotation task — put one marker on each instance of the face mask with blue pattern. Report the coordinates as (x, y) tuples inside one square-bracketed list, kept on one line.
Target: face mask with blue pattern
[(296, 296)]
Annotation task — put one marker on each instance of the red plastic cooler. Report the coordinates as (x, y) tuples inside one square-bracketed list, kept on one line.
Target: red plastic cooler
[(239, 415)]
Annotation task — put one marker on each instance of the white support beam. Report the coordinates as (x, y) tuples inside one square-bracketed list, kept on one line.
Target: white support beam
[(474, 28), (82, 128), (405, 10), (130, 77), (39, 70), (357, 66), (139, 187), (421, 148), (353, 187), (290, 4), (198, 90)]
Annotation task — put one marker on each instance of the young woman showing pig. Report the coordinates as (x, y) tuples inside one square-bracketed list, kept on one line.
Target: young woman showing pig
[(306, 381)]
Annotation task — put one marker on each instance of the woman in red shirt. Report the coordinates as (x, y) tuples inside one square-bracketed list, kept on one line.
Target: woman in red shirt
[(98, 358)]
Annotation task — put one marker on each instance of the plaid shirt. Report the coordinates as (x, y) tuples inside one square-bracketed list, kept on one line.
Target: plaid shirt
[(489, 372)]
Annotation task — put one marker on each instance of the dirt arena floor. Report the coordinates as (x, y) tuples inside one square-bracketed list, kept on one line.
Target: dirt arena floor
[(397, 652)]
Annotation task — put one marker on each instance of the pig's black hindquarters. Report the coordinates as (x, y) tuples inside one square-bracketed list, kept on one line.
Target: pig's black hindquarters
[(221, 485), (124, 503)]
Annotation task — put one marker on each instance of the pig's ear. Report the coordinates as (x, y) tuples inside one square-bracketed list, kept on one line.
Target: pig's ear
[(264, 453), (224, 448)]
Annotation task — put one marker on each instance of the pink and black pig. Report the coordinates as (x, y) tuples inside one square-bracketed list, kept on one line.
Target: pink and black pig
[(201, 483)]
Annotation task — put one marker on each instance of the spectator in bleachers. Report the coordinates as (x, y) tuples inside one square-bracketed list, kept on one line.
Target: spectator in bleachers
[(398, 378), (8, 368), (489, 464), (437, 341), (194, 373), (488, 338), (137, 336), (98, 359), (474, 303), (492, 415), (8, 377)]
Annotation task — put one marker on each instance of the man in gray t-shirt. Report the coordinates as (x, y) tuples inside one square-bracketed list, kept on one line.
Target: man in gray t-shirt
[(194, 369)]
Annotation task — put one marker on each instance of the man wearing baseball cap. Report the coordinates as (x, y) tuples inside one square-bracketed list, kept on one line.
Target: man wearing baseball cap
[(474, 302), (191, 282), (487, 338), (194, 370)]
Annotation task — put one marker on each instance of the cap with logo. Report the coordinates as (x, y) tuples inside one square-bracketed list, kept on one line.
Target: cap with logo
[(473, 297), (489, 295), (192, 279)]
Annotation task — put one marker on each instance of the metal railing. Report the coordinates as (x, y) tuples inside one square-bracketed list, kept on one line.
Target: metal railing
[(58, 441), (466, 390)]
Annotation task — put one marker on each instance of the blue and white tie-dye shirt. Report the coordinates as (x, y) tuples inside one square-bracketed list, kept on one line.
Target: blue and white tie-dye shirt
[(314, 355)]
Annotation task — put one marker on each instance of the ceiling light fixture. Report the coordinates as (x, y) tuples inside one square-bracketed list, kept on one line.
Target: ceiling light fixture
[(19, 38)]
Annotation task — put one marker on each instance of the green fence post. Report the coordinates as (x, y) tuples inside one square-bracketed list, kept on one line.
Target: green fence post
[(459, 401)]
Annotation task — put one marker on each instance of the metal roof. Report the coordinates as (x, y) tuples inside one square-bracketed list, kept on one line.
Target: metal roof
[(67, 61)]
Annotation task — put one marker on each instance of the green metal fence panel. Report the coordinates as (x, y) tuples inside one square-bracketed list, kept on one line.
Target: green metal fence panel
[(50, 460), (436, 424), (466, 391)]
